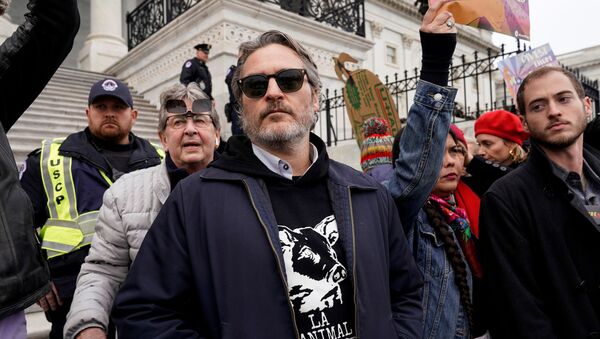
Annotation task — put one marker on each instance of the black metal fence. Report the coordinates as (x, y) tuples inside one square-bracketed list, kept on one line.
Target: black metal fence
[(348, 15), (477, 76), (152, 15)]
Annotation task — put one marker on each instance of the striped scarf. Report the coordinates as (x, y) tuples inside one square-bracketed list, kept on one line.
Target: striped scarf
[(458, 220)]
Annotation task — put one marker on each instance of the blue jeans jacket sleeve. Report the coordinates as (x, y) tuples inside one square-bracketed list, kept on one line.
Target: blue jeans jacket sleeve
[(421, 148)]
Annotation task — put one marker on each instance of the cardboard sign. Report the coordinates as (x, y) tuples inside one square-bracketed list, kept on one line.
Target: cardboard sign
[(365, 96), (516, 68), (510, 17)]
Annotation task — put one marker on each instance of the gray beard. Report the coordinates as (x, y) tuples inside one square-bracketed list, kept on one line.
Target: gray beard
[(281, 141), (4, 6)]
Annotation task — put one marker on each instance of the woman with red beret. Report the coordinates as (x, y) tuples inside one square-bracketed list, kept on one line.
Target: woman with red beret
[(500, 136)]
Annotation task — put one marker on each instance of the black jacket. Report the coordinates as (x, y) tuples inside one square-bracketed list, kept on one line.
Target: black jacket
[(194, 70), (28, 59), (89, 189), (540, 251), (206, 271)]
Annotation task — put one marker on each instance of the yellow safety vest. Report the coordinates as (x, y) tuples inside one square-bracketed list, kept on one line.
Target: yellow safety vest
[(65, 230)]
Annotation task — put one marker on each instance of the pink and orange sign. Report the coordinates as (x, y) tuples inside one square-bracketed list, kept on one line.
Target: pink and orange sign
[(510, 17)]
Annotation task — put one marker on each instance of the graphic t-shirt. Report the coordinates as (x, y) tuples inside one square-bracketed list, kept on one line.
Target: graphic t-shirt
[(319, 284), (320, 287)]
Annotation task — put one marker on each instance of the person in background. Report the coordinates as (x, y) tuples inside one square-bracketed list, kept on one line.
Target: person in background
[(49, 30), (444, 245), (66, 180), (540, 227), (500, 136), (438, 230), (232, 110), (195, 70), (305, 245), (376, 149), (188, 128)]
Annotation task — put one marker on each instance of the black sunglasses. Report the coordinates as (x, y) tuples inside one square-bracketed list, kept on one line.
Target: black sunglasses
[(179, 107), (289, 80)]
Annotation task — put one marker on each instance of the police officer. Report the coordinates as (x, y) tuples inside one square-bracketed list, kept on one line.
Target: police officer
[(66, 179), (231, 108), (195, 70)]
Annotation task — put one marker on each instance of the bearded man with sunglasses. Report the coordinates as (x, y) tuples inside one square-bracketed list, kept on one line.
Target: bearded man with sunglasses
[(189, 131), (312, 249), (66, 179)]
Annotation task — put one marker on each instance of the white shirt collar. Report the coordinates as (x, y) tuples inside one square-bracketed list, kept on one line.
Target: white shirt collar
[(279, 166)]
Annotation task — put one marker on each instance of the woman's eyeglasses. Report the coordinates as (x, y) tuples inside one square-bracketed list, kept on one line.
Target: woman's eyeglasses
[(200, 113), (256, 85)]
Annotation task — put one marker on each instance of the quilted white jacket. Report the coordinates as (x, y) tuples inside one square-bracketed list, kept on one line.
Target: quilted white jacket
[(129, 206)]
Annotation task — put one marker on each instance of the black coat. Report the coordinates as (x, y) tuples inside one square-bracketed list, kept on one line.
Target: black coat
[(28, 59), (540, 252), (194, 70)]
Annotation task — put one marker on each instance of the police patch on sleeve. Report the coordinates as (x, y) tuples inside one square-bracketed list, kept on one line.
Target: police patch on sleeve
[(188, 64)]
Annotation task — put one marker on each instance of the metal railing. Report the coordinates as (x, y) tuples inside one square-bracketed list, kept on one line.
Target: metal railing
[(479, 78), (348, 15), (152, 15)]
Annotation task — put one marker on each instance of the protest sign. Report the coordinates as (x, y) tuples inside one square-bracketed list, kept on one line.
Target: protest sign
[(365, 96), (509, 17), (516, 68)]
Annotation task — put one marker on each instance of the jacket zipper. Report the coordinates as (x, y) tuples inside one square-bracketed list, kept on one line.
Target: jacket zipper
[(281, 275), (353, 264)]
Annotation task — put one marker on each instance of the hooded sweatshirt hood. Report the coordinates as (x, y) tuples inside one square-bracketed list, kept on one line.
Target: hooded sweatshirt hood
[(239, 157)]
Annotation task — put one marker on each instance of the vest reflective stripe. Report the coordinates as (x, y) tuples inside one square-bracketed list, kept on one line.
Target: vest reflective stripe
[(87, 222), (108, 180), (65, 231), (58, 182), (159, 150)]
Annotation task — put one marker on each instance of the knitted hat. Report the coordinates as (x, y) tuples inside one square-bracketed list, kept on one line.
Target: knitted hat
[(458, 134), (376, 148), (502, 124)]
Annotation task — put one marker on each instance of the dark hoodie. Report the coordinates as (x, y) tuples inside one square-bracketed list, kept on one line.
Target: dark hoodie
[(307, 230)]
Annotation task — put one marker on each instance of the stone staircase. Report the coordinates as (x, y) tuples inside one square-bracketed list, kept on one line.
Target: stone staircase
[(60, 111)]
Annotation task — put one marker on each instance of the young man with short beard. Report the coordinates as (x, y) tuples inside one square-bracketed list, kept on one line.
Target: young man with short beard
[(49, 31), (274, 239), (540, 224), (66, 180)]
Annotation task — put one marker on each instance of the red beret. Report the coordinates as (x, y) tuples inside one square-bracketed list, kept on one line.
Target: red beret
[(502, 124), (458, 134)]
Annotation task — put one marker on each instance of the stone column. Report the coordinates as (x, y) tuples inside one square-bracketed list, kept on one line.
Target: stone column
[(105, 44)]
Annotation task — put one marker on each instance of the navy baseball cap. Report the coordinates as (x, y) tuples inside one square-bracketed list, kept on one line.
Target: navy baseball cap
[(113, 88)]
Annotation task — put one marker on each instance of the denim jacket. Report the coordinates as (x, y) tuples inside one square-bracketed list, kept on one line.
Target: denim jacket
[(421, 149), (443, 313), (416, 172)]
